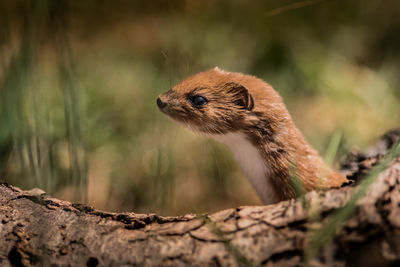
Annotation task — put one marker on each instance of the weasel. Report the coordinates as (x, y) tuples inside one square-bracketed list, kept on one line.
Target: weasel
[(248, 115)]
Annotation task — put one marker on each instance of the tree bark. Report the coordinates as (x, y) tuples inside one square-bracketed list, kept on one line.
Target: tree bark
[(38, 230)]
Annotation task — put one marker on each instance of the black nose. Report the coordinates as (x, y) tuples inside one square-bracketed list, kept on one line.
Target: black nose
[(160, 104)]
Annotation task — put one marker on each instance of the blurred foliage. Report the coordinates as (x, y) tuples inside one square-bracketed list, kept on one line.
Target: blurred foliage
[(79, 79)]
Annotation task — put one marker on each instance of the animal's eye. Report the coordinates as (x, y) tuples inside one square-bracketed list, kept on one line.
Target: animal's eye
[(198, 100)]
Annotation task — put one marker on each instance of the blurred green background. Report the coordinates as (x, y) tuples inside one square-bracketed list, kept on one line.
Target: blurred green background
[(79, 79)]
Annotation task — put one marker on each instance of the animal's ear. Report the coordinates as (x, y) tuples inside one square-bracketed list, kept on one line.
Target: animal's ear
[(240, 95)]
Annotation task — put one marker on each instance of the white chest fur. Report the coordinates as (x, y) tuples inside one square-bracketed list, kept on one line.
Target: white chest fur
[(251, 162)]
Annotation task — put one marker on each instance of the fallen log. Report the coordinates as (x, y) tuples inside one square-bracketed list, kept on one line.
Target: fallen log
[(39, 230)]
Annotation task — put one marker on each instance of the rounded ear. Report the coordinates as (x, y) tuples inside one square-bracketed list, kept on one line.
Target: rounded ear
[(240, 95)]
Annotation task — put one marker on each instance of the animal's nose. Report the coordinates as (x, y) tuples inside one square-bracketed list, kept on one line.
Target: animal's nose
[(161, 104)]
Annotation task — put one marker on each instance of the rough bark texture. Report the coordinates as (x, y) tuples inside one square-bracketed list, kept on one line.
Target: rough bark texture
[(38, 230)]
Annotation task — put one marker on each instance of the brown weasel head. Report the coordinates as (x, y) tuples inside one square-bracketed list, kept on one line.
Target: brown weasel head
[(209, 102), (249, 116)]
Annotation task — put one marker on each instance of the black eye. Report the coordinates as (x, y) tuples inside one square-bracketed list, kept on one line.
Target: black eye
[(198, 100)]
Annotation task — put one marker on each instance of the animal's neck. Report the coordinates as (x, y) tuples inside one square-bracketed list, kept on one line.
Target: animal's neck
[(252, 163), (273, 168)]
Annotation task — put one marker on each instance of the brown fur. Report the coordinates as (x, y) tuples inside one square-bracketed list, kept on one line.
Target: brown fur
[(238, 102)]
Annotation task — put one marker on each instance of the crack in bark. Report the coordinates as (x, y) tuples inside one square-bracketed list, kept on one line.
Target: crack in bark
[(20, 255), (282, 255)]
